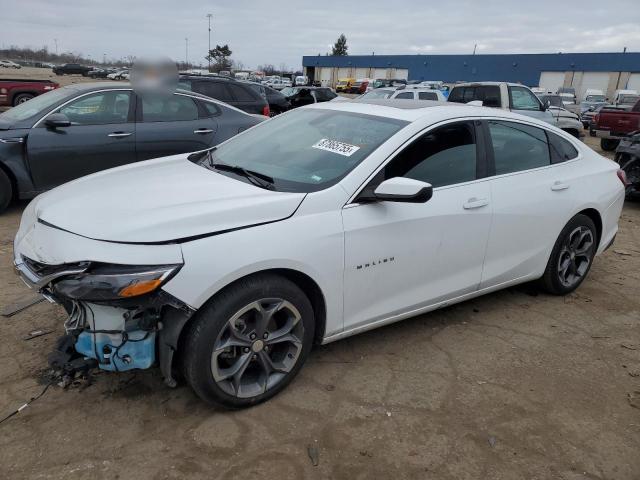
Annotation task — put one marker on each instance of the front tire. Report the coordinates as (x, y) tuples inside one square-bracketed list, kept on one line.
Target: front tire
[(249, 341), (571, 257), (6, 191)]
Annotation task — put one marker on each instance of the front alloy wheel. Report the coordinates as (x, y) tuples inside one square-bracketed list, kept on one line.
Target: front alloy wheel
[(249, 341), (257, 347)]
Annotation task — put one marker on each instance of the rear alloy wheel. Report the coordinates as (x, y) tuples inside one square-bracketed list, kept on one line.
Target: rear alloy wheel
[(608, 144), (21, 98), (249, 342), (6, 191), (571, 257)]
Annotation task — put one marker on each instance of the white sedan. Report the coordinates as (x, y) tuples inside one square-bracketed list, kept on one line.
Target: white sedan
[(329, 220)]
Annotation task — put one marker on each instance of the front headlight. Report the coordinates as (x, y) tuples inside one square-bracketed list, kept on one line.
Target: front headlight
[(103, 282)]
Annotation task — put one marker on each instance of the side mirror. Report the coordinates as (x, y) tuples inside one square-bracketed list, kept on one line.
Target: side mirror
[(400, 189), (57, 120)]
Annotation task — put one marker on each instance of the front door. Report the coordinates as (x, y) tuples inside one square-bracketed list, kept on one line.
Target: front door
[(102, 135), (400, 257)]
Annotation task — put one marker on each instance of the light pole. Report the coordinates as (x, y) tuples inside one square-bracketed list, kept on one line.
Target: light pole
[(104, 58), (186, 52), (55, 40), (209, 16)]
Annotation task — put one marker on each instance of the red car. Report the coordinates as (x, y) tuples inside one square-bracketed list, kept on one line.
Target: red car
[(611, 125), (16, 91)]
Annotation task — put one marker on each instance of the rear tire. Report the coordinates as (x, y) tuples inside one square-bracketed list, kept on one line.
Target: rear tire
[(248, 342), (571, 257), (609, 145), (6, 191), (21, 98)]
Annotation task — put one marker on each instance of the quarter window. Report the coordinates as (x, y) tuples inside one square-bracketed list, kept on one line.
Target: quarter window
[(99, 108), (444, 156), (518, 147), (523, 99), (171, 109), (561, 150)]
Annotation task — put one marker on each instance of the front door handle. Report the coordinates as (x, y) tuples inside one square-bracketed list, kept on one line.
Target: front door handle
[(119, 134), (203, 131), (557, 186), (475, 203)]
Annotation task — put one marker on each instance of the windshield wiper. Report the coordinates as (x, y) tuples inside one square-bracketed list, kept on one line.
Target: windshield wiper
[(258, 179)]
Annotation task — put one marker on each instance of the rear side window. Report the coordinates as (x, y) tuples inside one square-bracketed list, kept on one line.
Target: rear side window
[(561, 150), (217, 90), (241, 94), (427, 96), (518, 147), (172, 109)]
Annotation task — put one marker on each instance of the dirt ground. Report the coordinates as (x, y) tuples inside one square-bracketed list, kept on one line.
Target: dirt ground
[(513, 385)]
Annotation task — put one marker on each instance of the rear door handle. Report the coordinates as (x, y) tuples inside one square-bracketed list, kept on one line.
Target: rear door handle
[(557, 186), (119, 134), (475, 203), (203, 131)]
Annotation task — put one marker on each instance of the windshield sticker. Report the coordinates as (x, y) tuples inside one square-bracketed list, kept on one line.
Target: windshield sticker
[(334, 146)]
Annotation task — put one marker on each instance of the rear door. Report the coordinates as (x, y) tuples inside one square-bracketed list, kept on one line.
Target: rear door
[(102, 135), (171, 125), (532, 198)]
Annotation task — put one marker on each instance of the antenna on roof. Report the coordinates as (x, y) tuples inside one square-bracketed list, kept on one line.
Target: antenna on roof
[(474, 48)]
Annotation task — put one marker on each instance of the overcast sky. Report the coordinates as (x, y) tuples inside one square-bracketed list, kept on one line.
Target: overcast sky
[(281, 32)]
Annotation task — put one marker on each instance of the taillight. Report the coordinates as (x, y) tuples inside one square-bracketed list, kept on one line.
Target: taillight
[(623, 177), (265, 111), (596, 117)]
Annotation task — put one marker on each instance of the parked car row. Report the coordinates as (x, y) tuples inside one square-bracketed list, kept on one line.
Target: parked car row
[(9, 64)]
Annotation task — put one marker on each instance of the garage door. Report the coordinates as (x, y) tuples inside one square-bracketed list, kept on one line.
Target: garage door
[(344, 72), (380, 73), (634, 82), (402, 73), (362, 73), (551, 81), (595, 80), (325, 76)]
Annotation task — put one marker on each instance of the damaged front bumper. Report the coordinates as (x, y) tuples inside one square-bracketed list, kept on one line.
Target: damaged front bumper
[(118, 334)]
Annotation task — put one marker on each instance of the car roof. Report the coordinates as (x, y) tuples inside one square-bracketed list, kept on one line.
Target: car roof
[(414, 110), (95, 86), (473, 84)]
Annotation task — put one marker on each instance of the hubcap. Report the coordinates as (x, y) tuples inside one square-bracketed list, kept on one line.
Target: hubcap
[(575, 256), (257, 347)]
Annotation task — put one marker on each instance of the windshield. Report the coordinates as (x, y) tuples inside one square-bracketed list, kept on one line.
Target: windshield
[(34, 106), (288, 91), (307, 150), (629, 99), (378, 93), (595, 98)]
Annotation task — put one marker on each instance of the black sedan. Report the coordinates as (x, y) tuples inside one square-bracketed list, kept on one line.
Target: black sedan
[(278, 103), (300, 96), (84, 128)]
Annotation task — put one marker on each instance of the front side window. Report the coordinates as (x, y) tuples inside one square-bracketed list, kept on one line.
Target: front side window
[(168, 109), (523, 99), (307, 150), (444, 156), (405, 95), (518, 147), (99, 108)]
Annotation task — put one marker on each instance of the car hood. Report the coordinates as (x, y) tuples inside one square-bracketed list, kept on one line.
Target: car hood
[(160, 201)]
